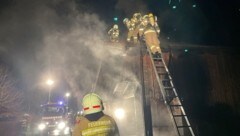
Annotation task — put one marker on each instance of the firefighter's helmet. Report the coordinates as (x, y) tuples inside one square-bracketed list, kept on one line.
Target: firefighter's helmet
[(115, 26), (125, 20), (145, 19), (151, 19), (137, 16), (92, 103), (150, 15)]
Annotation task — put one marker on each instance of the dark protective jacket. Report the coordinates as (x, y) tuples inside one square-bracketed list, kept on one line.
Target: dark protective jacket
[(95, 125)]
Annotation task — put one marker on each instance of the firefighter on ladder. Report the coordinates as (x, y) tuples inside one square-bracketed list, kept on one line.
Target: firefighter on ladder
[(149, 30), (94, 122), (114, 33)]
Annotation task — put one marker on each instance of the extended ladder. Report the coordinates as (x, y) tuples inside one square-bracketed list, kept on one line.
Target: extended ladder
[(171, 98)]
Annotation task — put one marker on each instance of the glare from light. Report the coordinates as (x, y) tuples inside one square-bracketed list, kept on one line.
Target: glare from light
[(49, 82), (119, 113), (115, 19), (41, 126), (60, 102), (61, 125), (194, 5), (174, 7), (66, 130), (67, 94), (56, 132)]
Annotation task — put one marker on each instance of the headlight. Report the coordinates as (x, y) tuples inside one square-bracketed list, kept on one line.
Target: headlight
[(41, 126), (61, 125), (56, 132), (66, 130)]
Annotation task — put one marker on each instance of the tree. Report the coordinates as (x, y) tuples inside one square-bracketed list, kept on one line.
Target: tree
[(11, 97)]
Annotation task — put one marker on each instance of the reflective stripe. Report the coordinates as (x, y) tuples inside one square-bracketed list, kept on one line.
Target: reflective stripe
[(149, 31), (96, 106), (52, 117), (87, 108), (152, 47), (99, 131)]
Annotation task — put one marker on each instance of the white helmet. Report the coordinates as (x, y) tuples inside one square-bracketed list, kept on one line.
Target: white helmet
[(92, 103), (115, 26), (137, 15), (125, 20)]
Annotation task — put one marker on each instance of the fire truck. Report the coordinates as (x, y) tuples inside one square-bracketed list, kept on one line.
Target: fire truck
[(55, 120)]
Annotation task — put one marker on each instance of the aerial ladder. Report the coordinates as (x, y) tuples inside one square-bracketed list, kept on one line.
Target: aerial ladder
[(169, 96)]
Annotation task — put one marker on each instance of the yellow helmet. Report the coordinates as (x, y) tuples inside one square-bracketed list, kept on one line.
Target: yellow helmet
[(92, 103), (150, 15)]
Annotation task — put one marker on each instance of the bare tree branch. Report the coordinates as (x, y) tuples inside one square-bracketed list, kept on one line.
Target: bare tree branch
[(11, 97)]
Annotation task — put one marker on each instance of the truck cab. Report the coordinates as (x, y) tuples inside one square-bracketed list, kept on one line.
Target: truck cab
[(55, 120)]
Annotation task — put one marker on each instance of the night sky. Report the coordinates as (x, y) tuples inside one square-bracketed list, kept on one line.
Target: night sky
[(204, 22)]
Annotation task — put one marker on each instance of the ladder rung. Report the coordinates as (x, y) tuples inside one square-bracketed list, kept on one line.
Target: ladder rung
[(166, 80), (175, 105), (157, 59), (182, 126), (159, 66), (168, 87), (161, 73), (179, 115)]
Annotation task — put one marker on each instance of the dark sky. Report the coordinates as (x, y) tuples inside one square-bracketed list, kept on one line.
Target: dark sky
[(214, 22)]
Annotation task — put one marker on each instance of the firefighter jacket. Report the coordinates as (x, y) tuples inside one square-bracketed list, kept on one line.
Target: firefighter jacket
[(114, 32), (104, 126), (151, 38)]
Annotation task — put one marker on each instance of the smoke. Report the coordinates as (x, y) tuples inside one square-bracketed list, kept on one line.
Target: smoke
[(129, 7), (53, 38), (56, 39)]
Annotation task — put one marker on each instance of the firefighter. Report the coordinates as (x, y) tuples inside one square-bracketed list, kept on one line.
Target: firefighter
[(133, 22), (137, 16), (153, 22), (136, 20), (131, 25), (150, 31), (142, 25), (93, 121), (114, 33), (130, 28)]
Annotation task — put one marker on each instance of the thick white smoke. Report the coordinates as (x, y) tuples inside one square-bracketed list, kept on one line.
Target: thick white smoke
[(53, 39), (57, 38)]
